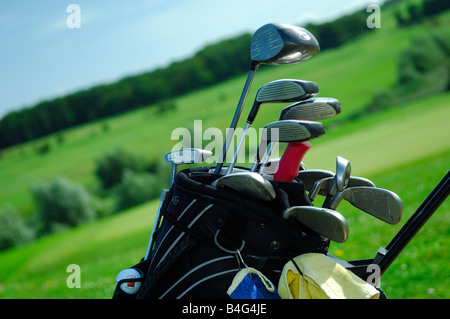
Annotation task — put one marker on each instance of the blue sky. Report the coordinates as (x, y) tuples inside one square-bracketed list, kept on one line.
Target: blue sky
[(41, 58)]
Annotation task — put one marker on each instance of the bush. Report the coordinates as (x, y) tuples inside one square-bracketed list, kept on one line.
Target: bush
[(381, 100), (61, 204), (111, 167), (136, 188), (422, 56), (13, 231), (424, 68)]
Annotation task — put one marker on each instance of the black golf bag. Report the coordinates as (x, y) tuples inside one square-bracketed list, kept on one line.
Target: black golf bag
[(205, 229)]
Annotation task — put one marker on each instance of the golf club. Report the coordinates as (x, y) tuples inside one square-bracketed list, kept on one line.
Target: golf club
[(274, 92), (310, 176), (247, 183), (380, 203), (285, 131), (340, 180), (322, 185), (274, 44), (326, 222), (183, 156), (311, 109)]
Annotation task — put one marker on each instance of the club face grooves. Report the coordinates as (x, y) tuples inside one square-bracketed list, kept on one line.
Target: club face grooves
[(380, 203), (286, 91), (292, 131)]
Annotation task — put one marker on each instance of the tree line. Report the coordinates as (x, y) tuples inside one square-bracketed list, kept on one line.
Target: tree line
[(212, 64)]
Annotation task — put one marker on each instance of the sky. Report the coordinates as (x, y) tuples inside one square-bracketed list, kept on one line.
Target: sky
[(43, 56)]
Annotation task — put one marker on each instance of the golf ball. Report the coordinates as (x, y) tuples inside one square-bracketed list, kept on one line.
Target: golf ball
[(129, 287)]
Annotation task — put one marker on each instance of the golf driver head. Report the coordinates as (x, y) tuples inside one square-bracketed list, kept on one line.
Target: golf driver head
[(249, 184), (187, 156), (313, 109), (326, 222), (282, 44), (380, 203)]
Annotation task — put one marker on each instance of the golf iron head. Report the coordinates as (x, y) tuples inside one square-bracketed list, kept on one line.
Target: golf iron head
[(321, 186), (185, 156), (380, 203), (343, 172), (249, 184), (326, 222), (310, 176)]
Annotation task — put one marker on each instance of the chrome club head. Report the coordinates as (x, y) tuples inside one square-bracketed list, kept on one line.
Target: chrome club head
[(274, 92), (380, 203), (247, 183), (326, 222), (314, 109), (282, 44), (321, 185), (285, 131), (185, 156)]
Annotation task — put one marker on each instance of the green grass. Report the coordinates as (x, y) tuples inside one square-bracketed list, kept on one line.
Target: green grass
[(104, 247), (405, 149), (101, 249)]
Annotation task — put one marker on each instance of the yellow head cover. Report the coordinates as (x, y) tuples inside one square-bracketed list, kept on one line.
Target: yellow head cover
[(322, 278)]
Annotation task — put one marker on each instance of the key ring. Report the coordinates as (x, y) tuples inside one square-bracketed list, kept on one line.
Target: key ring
[(224, 249)]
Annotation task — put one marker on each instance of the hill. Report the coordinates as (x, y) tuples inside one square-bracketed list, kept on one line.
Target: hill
[(404, 148)]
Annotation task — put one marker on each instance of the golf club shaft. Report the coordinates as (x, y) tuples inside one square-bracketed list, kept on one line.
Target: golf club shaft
[(265, 158), (327, 201), (237, 114), (156, 223), (238, 148), (415, 223)]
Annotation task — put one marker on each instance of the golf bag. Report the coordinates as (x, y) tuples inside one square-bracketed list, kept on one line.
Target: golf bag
[(207, 235)]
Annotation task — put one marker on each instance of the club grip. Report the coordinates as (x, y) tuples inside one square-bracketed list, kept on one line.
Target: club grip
[(291, 160)]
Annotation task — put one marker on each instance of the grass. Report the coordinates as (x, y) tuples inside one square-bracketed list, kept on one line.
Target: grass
[(405, 149), (104, 247), (100, 249)]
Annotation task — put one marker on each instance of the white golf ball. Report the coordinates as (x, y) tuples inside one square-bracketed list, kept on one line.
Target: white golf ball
[(130, 287)]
